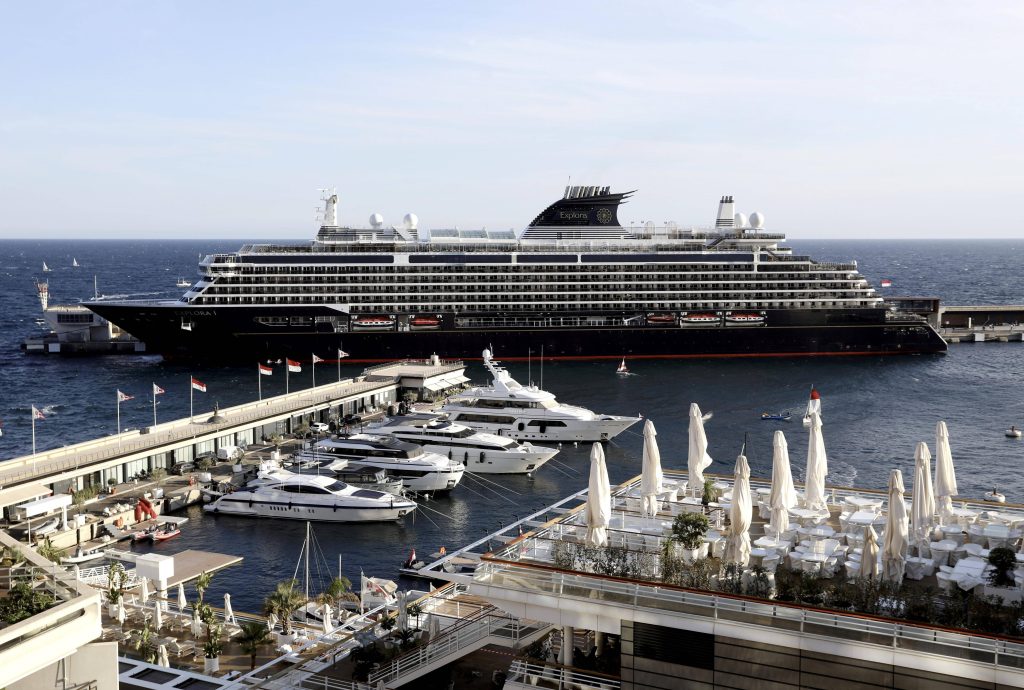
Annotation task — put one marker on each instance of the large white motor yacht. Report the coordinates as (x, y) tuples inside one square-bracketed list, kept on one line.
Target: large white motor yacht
[(528, 413), (282, 494), (419, 470), (480, 451)]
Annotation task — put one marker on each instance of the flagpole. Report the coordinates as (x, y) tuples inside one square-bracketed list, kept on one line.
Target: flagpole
[(339, 365), (154, 404), (33, 413), (191, 406), (119, 419), (314, 370), (259, 380)]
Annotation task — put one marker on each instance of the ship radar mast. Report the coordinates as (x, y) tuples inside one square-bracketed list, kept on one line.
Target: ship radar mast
[(327, 216)]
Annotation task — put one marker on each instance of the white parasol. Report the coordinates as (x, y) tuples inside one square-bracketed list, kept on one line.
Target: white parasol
[(182, 601), (403, 611), (271, 622), (817, 467), (650, 480), (158, 617), (328, 615), (922, 505), (122, 615), (144, 590), (599, 499), (869, 556), (697, 459), (197, 625), (945, 475), (894, 546), (783, 495), (434, 627), (737, 544), (229, 613), (161, 656)]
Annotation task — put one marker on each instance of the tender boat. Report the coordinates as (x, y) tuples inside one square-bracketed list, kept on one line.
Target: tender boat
[(47, 527), (479, 451), (183, 283), (419, 470), (508, 408), (165, 532), (373, 323), (744, 318), (777, 417), (701, 318), (622, 370), (277, 493), (81, 556), (662, 319), (424, 323), (995, 496), (1013, 432)]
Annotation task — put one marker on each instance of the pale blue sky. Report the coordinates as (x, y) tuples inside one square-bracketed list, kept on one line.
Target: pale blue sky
[(200, 119)]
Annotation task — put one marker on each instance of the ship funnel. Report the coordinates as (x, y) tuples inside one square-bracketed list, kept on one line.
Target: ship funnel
[(725, 213), (330, 208)]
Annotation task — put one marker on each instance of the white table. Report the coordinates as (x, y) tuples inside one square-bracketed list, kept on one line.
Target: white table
[(862, 502), (918, 568), (806, 514), (965, 515), (819, 532), (862, 518), (941, 551)]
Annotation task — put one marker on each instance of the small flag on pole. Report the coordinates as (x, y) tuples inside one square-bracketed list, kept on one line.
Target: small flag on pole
[(317, 359), (266, 371), (198, 385), (293, 366), (342, 354), (121, 397), (36, 414), (157, 390)]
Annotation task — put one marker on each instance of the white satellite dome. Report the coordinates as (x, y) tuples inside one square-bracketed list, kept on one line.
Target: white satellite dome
[(649, 226), (376, 220), (757, 220), (410, 221), (739, 220)]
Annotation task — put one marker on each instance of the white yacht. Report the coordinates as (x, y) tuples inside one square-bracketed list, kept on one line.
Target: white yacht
[(480, 451), (528, 413), (419, 470), (283, 494)]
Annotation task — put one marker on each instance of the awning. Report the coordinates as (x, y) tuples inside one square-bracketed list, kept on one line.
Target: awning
[(19, 494), (447, 381)]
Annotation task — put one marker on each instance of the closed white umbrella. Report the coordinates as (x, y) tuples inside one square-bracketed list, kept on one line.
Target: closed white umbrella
[(161, 656), (922, 504), (158, 617), (817, 467), (197, 625), (894, 546), (328, 614), (869, 557), (122, 615), (434, 627), (229, 614), (783, 494), (697, 459), (144, 590), (599, 499), (650, 480), (737, 545), (271, 622), (945, 475), (182, 601), (403, 611)]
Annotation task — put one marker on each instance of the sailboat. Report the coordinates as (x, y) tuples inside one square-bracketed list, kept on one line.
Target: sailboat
[(813, 405), (622, 370), (74, 262), (46, 269)]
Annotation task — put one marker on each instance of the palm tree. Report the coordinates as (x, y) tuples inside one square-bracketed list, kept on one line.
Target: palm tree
[(253, 636), (203, 584), (285, 600), (338, 590)]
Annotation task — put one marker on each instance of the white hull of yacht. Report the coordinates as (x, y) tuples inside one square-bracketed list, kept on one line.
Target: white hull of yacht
[(238, 504), (496, 461), (416, 477), (559, 429)]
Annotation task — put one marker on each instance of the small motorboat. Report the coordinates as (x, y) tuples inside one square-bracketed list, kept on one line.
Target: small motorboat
[(783, 416), (1013, 432), (144, 534), (995, 496), (886, 282), (165, 532), (82, 557), (622, 370), (47, 527)]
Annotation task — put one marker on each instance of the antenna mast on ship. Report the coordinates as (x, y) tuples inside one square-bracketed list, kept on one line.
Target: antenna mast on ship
[(328, 215), (43, 290)]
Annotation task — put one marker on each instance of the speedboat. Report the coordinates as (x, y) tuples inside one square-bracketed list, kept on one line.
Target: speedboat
[(277, 493), (784, 416), (81, 556), (1013, 432), (165, 532), (479, 451), (508, 408), (419, 470)]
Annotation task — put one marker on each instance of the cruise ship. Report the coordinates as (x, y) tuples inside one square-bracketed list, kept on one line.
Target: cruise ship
[(575, 283)]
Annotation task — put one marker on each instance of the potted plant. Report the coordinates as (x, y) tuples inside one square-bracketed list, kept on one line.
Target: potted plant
[(689, 530), (212, 649), (112, 485), (285, 600), (116, 580), (21, 602), (1001, 582), (253, 636), (145, 645), (710, 494)]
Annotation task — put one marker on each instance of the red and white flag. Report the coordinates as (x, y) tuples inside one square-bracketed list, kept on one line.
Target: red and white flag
[(121, 397), (293, 366), (36, 414), (342, 354), (265, 371), (316, 359), (157, 390), (198, 385)]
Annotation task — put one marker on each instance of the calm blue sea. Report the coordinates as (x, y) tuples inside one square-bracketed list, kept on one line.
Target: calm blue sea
[(875, 409)]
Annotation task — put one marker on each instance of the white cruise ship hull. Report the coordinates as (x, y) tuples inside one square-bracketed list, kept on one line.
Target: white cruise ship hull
[(239, 504)]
